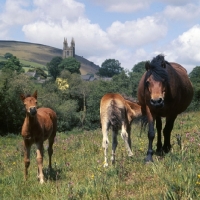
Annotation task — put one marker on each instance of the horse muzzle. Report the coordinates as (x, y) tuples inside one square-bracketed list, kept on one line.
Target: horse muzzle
[(33, 111), (158, 103)]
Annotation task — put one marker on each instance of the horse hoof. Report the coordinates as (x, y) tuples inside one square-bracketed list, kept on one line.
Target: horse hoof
[(130, 154), (105, 165), (41, 181), (166, 149), (148, 159)]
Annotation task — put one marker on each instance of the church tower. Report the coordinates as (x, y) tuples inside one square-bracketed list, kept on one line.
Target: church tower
[(68, 51)]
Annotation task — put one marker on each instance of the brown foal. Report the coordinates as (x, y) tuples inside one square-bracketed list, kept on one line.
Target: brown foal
[(39, 125)]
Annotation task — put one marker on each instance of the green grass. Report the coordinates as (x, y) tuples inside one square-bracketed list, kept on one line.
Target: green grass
[(78, 171)]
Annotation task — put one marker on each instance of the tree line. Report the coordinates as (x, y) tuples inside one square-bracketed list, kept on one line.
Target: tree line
[(75, 101)]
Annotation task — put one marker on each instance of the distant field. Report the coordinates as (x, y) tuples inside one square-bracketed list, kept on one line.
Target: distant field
[(37, 54), (33, 64)]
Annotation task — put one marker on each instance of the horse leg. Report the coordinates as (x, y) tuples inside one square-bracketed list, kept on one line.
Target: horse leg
[(159, 139), (167, 133), (126, 137), (27, 149), (105, 127), (114, 143), (50, 149), (151, 136), (40, 161)]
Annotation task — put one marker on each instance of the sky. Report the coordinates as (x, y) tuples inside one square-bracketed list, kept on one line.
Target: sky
[(129, 31)]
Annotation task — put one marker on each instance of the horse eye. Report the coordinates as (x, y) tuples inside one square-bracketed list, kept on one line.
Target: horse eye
[(147, 84)]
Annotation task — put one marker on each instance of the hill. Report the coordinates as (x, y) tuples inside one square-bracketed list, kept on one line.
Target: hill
[(41, 54)]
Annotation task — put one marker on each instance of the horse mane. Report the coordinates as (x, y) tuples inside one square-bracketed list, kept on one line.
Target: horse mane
[(157, 69), (27, 95)]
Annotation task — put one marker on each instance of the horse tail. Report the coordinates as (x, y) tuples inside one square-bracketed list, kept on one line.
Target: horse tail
[(114, 114)]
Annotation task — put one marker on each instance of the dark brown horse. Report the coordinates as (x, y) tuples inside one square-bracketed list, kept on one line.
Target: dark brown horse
[(39, 125), (164, 91), (118, 113)]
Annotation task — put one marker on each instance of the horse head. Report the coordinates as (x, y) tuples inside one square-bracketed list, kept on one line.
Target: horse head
[(156, 80), (30, 103)]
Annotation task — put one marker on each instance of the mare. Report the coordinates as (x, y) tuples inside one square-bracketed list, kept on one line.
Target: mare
[(39, 125), (118, 113), (164, 91)]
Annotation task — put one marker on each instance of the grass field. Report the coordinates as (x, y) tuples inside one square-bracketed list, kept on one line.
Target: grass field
[(78, 171)]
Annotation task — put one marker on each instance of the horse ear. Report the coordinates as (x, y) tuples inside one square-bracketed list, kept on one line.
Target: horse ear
[(22, 97), (147, 65), (35, 94)]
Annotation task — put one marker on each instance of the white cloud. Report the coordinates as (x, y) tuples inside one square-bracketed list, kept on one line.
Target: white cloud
[(124, 6), (186, 12), (57, 11), (16, 13), (177, 2), (137, 33), (185, 49)]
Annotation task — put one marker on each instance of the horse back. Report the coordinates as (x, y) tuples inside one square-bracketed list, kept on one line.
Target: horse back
[(180, 87)]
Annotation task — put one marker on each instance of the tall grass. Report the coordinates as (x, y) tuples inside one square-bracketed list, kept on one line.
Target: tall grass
[(78, 171)]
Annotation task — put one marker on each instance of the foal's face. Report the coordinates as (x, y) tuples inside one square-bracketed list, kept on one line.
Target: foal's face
[(31, 105), (157, 92)]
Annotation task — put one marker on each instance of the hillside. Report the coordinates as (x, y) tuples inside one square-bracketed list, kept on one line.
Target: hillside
[(41, 54)]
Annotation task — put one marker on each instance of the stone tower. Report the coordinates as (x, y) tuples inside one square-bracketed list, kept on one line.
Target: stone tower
[(68, 51)]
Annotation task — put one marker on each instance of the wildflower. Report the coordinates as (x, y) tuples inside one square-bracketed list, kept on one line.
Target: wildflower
[(14, 163), (179, 166), (187, 134), (67, 164), (198, 175), (191, 139), (92, 176)]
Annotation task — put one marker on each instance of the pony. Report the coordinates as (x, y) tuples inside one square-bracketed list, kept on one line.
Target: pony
[(165, 91), (118, 113), (39, 125)]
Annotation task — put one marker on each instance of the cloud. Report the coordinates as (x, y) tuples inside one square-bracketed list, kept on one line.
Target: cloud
[(177, 2), (185, 48), (16, 13), (186, 12), (65, 9), (125, 6), (138, 32)]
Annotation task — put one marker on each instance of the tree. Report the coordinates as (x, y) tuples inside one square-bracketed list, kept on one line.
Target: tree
[(53, 67), (70, 64), (194, 77), (8, 55), (11, 108), (109, 68), (137, 71), (13, 64)]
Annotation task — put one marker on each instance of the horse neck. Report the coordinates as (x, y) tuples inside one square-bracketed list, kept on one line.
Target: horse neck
[(134, 108), (31, 120)]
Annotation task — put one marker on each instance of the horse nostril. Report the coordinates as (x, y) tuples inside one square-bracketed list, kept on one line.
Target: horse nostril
[(157, 102), (152, 101), (33, 110), (160, 100)]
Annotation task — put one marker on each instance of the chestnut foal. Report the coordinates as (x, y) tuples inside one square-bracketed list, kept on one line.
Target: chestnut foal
[(39, 125)]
